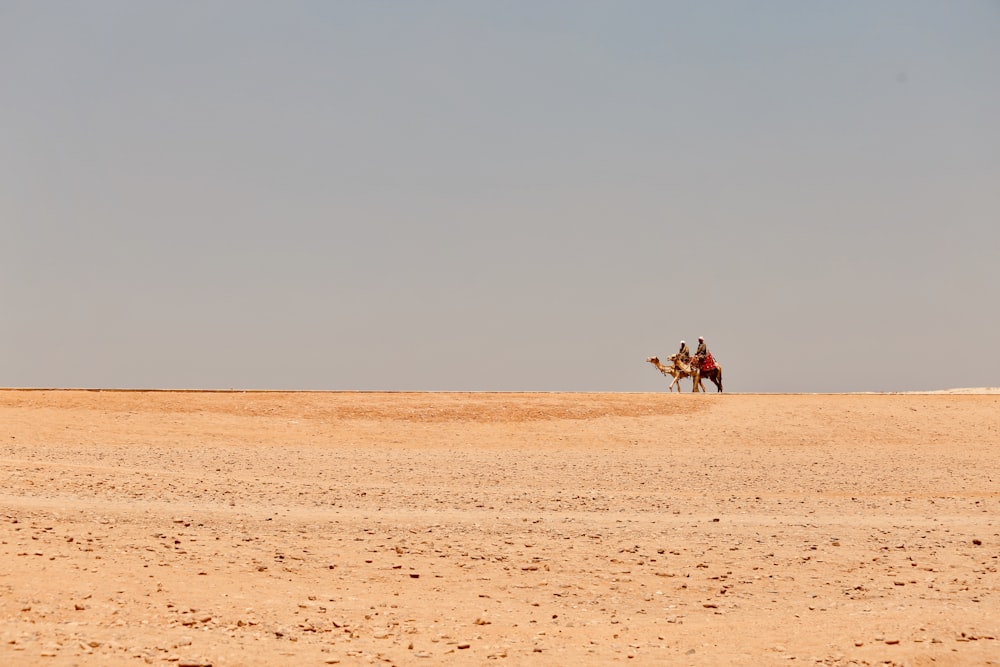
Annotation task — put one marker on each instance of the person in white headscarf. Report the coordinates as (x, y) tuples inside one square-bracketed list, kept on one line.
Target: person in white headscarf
[(684, 354), (702, 352)]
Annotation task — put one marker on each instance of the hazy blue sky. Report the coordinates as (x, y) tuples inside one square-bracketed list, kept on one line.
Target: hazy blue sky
[(499, 195)]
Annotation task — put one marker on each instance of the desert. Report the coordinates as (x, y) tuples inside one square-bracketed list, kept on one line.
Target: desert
[(314, 528)]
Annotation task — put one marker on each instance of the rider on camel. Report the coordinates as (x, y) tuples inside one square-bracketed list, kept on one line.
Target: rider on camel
[(701, 353), (684, 354)]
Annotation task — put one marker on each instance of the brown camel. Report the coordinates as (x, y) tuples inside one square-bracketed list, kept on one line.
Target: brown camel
[(697, 375)]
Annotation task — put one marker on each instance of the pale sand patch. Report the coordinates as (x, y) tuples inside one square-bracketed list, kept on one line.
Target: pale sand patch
[(968, 390), (545, 529)]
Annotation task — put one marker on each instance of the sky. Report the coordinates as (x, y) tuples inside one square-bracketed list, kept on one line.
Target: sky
[(499, 195)]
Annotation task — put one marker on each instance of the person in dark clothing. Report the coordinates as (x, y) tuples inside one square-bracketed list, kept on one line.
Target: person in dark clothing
[(702, 352), (684, 354)]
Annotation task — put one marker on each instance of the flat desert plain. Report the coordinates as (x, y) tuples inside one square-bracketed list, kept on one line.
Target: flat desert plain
[(265, 528)]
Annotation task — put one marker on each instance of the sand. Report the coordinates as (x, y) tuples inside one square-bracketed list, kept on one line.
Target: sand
[(263, 528)]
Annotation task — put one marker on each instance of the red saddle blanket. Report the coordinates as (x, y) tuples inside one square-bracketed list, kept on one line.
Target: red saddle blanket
[(709, 363)]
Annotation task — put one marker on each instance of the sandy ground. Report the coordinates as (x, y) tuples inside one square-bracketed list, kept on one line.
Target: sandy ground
[(192, 528)]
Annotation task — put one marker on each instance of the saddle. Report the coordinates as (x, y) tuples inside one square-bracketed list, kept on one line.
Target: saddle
[(709, 363)]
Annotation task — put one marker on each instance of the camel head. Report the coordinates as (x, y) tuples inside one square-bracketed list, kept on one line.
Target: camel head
[(660, 367)]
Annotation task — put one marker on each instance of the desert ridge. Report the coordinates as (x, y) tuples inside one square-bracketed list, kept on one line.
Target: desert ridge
[(261, 528)]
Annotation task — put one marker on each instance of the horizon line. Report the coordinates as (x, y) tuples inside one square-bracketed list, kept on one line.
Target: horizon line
[(233, 390)]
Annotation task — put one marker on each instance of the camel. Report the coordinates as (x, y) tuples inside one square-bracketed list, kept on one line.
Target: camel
[(670, 370), (715, 375), (678, 370)]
